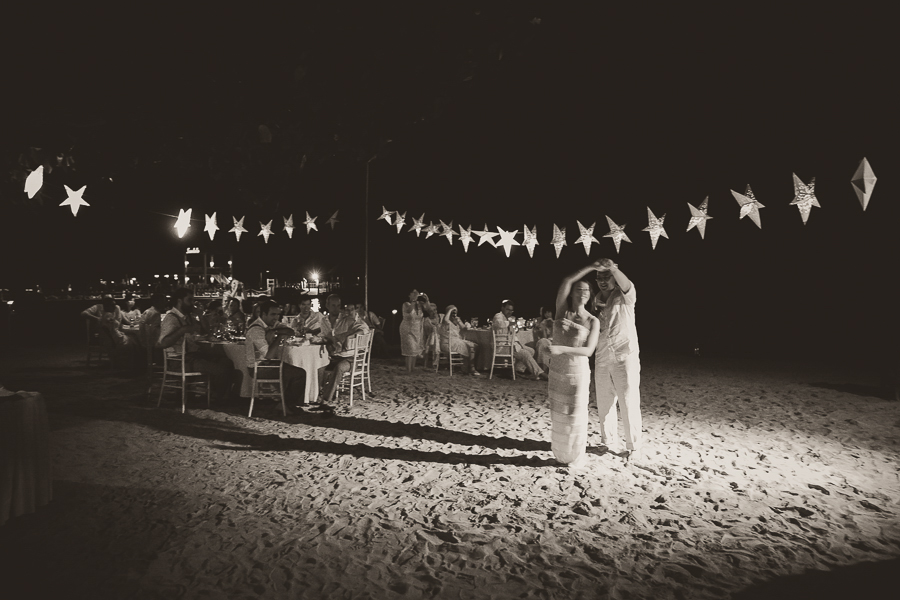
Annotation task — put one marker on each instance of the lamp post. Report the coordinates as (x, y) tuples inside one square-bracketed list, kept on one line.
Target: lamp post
[(366, 219)]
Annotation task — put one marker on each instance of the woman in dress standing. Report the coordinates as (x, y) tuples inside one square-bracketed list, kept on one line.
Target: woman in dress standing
[(412, 335), (575, 334)]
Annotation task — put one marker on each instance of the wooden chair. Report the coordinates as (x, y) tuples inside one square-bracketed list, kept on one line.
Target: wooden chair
[(369, 361), (155, 358), (453, 358), (356, 376), (268, 381), (504, 351), (175, 369), (97, 342)]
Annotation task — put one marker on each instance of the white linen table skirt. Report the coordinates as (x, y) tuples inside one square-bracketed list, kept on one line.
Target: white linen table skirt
[(26, 481)]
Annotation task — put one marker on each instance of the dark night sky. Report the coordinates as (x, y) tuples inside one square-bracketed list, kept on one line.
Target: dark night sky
[(590, 113)]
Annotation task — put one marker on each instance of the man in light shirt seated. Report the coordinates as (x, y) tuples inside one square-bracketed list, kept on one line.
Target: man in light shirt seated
[(504, 322), (153, 315), (337, 326), (309, 321), (151, 321), (97, 311), (178, 325), (263, 346)]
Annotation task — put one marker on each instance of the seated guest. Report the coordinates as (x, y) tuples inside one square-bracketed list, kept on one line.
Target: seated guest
[(111, 327), (504, 322), (376, 325), (234, 316), (158, 306), (449, 331), (254, 312), (337, 326), (291, 308), (96, 311), (213, 316), (130, 313), (309, 321), (543, 338), (178, 325), (264, 338), (151, 320)]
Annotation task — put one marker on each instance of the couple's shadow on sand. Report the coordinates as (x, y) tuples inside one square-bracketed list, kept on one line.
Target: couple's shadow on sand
[(235, 437)]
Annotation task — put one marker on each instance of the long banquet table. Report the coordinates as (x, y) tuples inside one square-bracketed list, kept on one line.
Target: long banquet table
[(26, 481), (309, 357), (482, 337)]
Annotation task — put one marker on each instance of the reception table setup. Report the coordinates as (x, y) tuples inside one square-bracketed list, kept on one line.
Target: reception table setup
[(304, 353), (482, 337)]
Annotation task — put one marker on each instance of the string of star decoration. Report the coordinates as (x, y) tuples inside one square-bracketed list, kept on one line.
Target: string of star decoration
[(863, 183)]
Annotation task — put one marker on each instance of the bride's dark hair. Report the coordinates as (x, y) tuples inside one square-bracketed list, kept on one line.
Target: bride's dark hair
[(569, 297)]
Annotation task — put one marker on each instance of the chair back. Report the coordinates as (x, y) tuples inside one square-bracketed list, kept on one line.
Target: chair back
[(173, 358), (503, 346), (369, 359), (361, 347), (356, 376), (503, 342), (175, 367)]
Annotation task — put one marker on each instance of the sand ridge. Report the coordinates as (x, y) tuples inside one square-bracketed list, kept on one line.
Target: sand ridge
[(441, 487)]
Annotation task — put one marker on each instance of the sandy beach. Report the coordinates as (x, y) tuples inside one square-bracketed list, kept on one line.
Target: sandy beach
[(760, 480)]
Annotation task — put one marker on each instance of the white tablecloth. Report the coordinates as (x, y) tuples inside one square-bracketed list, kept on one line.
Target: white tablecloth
[(310, 358), (26, 481)]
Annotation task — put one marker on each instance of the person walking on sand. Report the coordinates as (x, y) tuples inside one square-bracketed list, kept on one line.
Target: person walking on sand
[(617, 365), (575, 334)]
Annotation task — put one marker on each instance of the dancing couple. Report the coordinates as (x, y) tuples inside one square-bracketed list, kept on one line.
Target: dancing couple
[(612, 338)]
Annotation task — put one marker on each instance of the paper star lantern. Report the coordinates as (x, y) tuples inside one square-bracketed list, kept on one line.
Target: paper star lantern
[(559, 238), (238, 228), (386, 215), (863, 182), (587, 237), (418, 225), (289, 226), (310, 223), (448, 232), (617, 233), (430, 230), (749, 205), (699, 217), (332, 220), (507, 240), (265, 230), (465, 237), (655, 227), (211, 226), (34, 182), (486, 236), (183, 222), (74, 199), (530, 240), (400, 221), (805, 197)]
